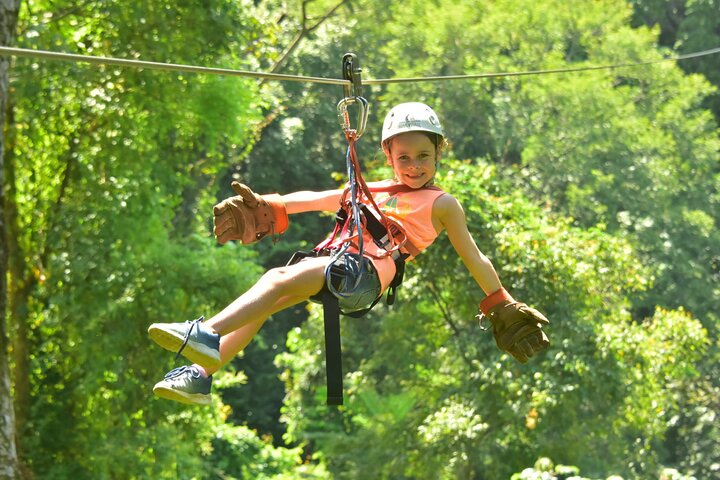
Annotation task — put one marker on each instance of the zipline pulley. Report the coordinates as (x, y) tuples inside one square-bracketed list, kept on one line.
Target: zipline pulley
[(351, 72), (352, 96)]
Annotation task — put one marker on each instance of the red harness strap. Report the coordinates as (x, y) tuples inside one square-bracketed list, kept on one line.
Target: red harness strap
[(396, 236), (387, 234)]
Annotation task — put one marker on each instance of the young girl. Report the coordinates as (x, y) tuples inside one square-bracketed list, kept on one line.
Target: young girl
[(413, 141)]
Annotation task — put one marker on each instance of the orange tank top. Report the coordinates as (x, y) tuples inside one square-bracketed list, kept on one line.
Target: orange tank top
[(412, 210)]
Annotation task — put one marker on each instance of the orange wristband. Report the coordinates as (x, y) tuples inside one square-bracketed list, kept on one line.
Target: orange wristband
[(279, 211), (495, 299)]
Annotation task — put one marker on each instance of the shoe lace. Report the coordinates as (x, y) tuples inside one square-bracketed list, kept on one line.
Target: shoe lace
[(193, 324), (176, 372)]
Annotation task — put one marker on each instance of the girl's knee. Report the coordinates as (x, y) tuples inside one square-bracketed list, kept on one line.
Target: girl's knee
[(276, 276), (298, 279)]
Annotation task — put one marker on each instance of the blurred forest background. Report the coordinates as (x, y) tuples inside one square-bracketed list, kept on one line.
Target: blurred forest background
[(595, 194)]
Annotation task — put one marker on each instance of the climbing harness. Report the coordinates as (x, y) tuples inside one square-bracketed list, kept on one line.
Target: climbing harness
[(348, 220), (354, 217)]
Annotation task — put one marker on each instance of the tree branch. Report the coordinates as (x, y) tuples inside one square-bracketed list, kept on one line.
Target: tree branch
[(327, 15), (55, 16), (53, 212), (448, 319), (304, 30)]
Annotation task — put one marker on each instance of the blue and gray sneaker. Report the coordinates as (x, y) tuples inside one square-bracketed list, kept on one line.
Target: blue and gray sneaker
[(195, 341), (185, 385)]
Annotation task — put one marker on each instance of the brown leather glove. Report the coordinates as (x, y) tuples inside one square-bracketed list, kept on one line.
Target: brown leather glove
[(249, 217), (517, 328)]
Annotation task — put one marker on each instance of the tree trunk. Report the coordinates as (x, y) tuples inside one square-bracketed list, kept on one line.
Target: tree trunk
[(9, 464), (19, 286)]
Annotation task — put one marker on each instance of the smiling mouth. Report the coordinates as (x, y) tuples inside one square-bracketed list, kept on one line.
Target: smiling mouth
[(414, 176)]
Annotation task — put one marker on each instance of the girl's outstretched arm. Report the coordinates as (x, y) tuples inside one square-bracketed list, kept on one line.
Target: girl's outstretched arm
[(250, 217), (452, 217), (518, 329), (307, 201)]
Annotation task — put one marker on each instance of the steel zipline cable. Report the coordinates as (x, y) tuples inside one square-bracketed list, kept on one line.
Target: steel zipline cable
[(541, 72), (172, 67), (23, 52)]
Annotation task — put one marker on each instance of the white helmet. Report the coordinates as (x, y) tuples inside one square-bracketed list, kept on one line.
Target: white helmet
[(410, 117)]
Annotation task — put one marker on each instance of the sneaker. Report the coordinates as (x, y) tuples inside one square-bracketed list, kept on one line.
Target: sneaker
[(185, 385), (195, 341)]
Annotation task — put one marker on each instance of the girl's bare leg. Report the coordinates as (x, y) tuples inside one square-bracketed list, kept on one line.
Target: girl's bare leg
[(301, 280), (277, 289), (235, 341)]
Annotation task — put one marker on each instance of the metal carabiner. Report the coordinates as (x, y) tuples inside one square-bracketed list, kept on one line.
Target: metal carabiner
[(344, 116), (352, 95), (481, 319)]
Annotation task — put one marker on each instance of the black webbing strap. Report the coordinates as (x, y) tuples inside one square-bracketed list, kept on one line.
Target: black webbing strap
[(333, 356), (331, 305), (331, 318), (333, 349), (377, 230), (397, 279)]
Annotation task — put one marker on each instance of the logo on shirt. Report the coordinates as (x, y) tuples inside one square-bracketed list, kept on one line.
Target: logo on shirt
[(397, 205)]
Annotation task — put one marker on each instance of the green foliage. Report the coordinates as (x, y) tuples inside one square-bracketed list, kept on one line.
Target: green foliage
[(639, 170), (239, 453), (111, 162), (629, 152), (600, 208), (628, 148), (299, 150), (544, 469), (688, 26)]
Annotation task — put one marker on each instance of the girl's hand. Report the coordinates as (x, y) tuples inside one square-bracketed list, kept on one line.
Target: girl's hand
[(518, 329), (249, 217)]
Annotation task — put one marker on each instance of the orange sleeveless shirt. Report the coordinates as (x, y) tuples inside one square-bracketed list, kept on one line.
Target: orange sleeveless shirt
[(412, 210)]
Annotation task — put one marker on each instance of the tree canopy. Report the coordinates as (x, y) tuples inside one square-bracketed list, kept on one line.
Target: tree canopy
[(595, 194)]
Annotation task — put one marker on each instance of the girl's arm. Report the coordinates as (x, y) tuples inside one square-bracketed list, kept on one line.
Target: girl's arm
[(517, 328), (452, 217), (307, 201)]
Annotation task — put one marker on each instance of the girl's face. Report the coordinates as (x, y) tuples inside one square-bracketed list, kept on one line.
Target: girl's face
[(413, 158)]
